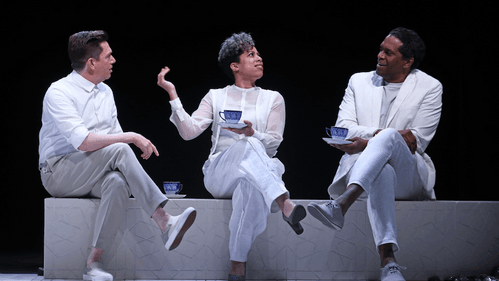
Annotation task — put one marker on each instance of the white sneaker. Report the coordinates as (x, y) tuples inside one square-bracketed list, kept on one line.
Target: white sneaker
[(391, 272), (96, 273), (329, 214), (177, 226)]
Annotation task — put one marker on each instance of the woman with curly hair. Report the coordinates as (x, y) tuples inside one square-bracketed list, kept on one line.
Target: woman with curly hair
[(242, 163)]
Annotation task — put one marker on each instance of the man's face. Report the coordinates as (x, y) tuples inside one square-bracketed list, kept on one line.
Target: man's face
[(103, 66), (250, 64), (391, 65)]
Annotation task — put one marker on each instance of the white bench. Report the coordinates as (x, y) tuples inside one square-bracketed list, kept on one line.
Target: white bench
[(436, 238)]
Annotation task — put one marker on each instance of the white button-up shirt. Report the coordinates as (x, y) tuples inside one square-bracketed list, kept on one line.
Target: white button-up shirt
[(72, 108)]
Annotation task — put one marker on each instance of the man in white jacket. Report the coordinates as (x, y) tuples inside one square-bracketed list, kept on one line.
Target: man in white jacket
[(391, 114), (241, 164)]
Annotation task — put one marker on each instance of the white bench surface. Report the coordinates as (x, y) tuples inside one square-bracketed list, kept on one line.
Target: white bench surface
[(436, 238)]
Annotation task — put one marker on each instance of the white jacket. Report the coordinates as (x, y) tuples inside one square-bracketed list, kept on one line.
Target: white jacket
[(417, 107)]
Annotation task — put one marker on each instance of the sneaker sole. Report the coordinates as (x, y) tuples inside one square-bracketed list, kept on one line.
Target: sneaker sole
[(96, 278), (317, 213), (178, 238)]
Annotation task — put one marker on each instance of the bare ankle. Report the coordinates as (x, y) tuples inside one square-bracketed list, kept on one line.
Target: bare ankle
[(161, 218), (386, 254), (237, 268), (95, 255), (285, 204), (349, 196)]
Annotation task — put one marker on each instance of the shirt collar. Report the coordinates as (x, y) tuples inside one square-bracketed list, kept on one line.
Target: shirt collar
[(243, 89), (83, 83)]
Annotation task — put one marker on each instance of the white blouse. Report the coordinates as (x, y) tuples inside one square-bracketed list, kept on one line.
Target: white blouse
[(265, 109)]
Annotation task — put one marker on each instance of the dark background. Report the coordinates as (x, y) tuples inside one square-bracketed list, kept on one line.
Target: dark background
[(310, 49)]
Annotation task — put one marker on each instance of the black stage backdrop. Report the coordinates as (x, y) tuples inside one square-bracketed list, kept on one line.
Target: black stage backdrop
[(310, 49)]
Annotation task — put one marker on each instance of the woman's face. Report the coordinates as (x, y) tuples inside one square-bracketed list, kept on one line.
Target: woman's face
[(250, 66)]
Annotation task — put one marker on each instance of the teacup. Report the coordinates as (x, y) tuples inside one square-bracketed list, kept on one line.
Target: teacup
[(231, 116), (337, 133), (172, 187)]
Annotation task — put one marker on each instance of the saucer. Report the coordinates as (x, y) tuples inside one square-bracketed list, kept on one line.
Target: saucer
[(336, 141), (232, 125), (175, 196)]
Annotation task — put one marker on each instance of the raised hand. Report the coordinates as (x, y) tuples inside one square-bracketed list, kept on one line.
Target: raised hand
[(167, 85)]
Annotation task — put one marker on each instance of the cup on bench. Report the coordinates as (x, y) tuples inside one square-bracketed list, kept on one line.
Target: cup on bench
[(230, 116), (337, 133), (172, 187)]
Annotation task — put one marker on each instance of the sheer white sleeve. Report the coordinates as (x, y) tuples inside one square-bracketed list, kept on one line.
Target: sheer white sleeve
[(189, 127), (273, 135)]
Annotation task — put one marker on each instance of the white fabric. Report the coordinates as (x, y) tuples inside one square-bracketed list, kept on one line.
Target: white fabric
[(111, 173), (390, 91), (72, 108), (386, 169), (417, 107), (238, 166), (244, 172)]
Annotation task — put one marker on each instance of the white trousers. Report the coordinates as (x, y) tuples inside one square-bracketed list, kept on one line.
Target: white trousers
[(386, 170), (112, 173), (245, 173)]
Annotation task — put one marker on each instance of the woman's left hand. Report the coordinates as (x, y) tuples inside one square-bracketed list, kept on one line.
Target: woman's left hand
[(247, 131)]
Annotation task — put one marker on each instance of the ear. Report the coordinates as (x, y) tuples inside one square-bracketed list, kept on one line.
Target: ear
[(408, 63), (234, 66)]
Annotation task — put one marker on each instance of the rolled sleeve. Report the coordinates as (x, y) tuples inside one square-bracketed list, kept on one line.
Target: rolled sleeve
[(65, 117), (77, 137)]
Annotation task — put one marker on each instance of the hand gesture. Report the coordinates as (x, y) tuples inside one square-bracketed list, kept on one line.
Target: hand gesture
[(145, 145), (167, 85)]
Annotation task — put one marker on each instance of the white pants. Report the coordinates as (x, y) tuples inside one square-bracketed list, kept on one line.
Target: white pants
[(386, 170), (247, 174), (112, 173)]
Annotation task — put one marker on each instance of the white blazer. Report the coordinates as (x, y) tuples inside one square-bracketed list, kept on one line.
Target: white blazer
[(417, 107)]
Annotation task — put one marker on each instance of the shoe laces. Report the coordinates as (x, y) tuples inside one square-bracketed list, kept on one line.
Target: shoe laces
[(331, 205), (394, 269)]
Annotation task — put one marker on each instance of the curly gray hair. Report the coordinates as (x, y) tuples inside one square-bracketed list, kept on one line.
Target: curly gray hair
[(232, 48)]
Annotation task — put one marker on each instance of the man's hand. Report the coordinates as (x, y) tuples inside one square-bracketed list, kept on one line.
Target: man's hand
[(247, 131), (410, 140), (167, 85), (145, 145), (356, 146), (95, 142)]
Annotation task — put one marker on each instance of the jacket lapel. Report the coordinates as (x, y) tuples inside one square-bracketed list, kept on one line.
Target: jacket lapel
[(405, 90), (376, 97)]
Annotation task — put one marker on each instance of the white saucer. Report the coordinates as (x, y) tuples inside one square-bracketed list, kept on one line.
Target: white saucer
[(336, 141), (232, 125), (175, 196)]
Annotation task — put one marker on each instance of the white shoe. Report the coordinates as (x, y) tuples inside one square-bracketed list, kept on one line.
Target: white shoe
[(96, 273), (329, 214), (177, 226), (391, 272)]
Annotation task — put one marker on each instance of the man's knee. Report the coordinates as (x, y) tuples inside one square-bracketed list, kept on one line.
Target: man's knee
[(386, 138), (387, 133), (115, 184), (121, 147)]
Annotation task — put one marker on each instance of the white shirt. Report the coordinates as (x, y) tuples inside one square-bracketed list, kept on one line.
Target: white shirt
[(72, 108), (390, 91)]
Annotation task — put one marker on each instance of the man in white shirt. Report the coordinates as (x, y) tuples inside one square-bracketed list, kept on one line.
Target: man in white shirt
[(84, 152), (391, 114)]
